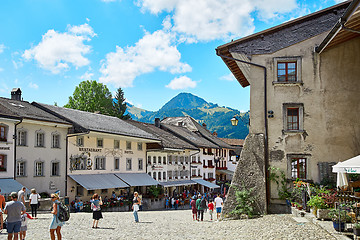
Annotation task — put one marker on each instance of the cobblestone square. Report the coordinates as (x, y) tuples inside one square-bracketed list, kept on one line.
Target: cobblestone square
[(173, 225)]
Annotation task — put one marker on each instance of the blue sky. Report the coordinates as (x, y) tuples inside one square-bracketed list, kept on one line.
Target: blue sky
[(153, 49)]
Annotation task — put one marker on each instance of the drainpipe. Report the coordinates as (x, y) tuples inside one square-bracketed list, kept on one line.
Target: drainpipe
[(266, 144), (15, 138)]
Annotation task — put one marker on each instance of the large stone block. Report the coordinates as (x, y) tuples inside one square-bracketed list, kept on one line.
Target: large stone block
[(250, 173)]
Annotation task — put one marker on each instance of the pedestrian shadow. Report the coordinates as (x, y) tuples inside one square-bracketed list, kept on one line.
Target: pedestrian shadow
[(145, 222), (110, 228)]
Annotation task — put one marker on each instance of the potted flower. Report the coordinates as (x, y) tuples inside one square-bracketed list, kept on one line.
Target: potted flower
[(339, 218), (356, 228), (317, 203)]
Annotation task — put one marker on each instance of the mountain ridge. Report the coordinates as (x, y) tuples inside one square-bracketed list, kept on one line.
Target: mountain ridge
[(186, 104)]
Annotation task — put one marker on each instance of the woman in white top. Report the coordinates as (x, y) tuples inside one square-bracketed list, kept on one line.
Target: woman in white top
[(34, 202)]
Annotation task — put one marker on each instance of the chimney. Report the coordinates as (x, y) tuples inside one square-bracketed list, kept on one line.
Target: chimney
[(157, 122), (215, 134), (16, 94), (204, 125)]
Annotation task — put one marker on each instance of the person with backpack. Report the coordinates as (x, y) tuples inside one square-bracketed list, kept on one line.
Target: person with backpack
[(56, 224)]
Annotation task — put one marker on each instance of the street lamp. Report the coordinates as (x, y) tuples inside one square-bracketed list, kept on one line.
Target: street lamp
[(234, 121), (244, 118)]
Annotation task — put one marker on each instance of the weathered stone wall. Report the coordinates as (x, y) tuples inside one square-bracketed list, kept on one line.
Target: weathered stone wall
[(250, 173)]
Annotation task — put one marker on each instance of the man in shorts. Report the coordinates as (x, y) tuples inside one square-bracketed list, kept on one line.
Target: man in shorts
[(218, 204), (14, 209)]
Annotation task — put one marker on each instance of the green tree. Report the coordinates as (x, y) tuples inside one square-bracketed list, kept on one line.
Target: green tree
[(91, 96), (119, 105)]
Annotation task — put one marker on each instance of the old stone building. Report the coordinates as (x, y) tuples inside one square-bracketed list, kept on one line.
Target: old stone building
[(304, 94)]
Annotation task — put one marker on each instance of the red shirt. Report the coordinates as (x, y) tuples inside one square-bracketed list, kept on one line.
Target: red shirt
[(211, 206), (2, 201)]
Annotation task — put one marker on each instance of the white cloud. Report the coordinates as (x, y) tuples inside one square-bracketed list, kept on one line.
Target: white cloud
[(2, 47), (182, 82), (57, 50), (33, 85), (206, 20), (87, 76), (1, 69), (155, 51), (228, 77)]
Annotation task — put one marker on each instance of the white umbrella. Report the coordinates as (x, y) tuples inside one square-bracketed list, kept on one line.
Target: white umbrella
[(341, 179), (351, 165)]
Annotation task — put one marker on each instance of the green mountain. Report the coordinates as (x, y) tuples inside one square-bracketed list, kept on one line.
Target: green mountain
[(186, 104)]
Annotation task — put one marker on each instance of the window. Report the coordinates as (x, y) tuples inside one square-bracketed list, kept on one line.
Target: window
[(21, 138), (55, 140), (100, 142), (100, 163), (2, 163), (116, 144), (159, 160), (199, 172), (164, 160), (80, 141), (164, 175), (55, 169), (159, 175), (298, 167), (140, 146), (210, 163), (128, 145), (79, 190), (90, 192), (2, 134), (40, 139), (169, 159), (286, 71), (154, 160), (149, 160), (39, 169), (104, 191), (154, 175), (116, 163), (210, 175), (293, 117), (169, 174), (193, 172), (128, 164), (20, 169), (140, 164)]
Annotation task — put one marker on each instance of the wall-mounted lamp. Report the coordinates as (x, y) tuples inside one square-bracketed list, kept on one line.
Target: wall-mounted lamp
[(72, 189), (244, 118)]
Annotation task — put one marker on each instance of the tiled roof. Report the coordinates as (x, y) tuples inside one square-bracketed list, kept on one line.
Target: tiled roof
[(233, 141), (192, 137), (192, 125), (98, 122), (23, 109), (168, 140)]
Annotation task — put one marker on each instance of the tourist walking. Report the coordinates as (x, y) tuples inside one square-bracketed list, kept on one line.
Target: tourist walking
[(21, 195), (193, 208), (136, 206), (23, 228), (218, 204), (2, 206), (200, 209), (96, 208), (34, 202), (14, 209), (211, 209), (56, 224)]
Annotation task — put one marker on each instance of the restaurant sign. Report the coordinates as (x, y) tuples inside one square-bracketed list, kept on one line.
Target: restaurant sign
[(90, 149)]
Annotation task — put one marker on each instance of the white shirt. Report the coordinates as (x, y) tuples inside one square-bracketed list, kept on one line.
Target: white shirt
[(34, 198), (218, 202)]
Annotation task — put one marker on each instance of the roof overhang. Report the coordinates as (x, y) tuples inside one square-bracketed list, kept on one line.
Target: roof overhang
[(347, 28)]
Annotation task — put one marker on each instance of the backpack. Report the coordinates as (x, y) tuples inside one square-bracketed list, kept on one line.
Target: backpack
[(203, 203), (64, 213)]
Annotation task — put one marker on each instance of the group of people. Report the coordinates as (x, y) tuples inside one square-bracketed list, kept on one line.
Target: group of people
[(17, 217), (200, 204)]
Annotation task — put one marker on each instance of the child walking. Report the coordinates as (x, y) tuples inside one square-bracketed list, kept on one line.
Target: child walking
[(23, 228), (211, 209)]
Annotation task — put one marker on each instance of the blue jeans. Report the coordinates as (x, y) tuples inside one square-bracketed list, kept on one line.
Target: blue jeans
[(136, 216)]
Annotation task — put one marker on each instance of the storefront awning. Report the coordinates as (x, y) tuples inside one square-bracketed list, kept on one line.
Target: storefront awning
[(206, 183), (8, 185), (228, 172), (98, 181), (137, 179), (177, 183), (351, 165)]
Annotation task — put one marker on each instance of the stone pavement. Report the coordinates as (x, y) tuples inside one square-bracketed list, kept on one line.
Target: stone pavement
[(176, 224)]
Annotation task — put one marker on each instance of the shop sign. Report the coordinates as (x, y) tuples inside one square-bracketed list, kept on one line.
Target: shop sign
[(90, 149)]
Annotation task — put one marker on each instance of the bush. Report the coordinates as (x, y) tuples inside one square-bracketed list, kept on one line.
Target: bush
[(244, 202), (317, 202)]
